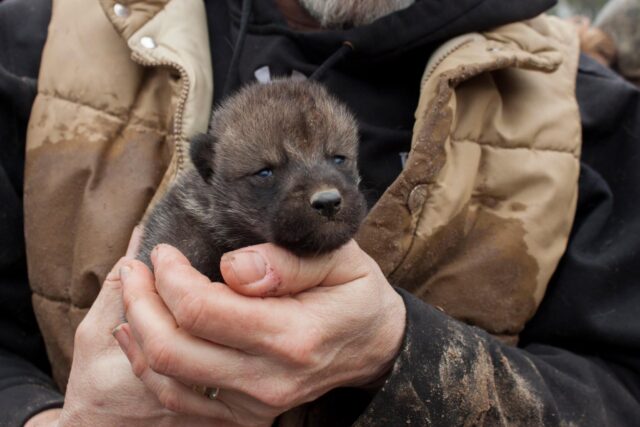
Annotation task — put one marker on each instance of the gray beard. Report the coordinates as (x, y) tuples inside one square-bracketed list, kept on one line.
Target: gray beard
[(339, 13)]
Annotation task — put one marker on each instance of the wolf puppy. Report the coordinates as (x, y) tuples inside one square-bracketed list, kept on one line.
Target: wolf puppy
[(278, 165)]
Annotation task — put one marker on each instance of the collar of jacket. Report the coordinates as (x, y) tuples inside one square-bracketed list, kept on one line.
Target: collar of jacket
[(171, 33)]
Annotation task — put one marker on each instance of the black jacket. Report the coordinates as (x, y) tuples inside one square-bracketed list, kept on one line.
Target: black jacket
[(578, 361), (25, 388)]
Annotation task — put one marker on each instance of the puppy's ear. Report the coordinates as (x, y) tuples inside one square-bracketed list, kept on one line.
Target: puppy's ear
[(201, 151)]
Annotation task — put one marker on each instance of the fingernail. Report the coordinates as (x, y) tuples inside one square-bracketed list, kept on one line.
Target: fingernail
[(125, 270), (121, 336), (247, 267)]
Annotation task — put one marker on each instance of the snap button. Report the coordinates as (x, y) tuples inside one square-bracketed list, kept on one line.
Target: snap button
[(147, 42), (120, 10)]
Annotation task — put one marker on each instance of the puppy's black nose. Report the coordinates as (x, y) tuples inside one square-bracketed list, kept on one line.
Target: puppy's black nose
[(326, 202)]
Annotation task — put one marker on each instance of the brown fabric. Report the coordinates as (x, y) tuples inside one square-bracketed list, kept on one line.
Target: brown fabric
[(478, 220), (475, 223), (97, 149)]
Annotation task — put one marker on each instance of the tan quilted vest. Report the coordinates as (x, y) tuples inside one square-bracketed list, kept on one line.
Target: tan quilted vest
[(475, 224)]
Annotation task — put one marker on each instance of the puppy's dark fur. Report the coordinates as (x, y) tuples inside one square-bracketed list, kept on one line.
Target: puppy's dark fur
[(271, 148)]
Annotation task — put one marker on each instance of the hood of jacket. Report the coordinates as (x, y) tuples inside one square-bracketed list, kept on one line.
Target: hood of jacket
[(378, 79), (425, 23)]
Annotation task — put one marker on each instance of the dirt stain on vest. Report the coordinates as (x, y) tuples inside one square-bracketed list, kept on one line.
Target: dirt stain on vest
[(81, 202), (477, 268)]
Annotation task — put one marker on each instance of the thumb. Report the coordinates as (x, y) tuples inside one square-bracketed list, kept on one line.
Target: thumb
[(269, 270), (107, 311)]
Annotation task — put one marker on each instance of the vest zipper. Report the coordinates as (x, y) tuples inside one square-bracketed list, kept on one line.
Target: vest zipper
[(178, 137), (445, 51)]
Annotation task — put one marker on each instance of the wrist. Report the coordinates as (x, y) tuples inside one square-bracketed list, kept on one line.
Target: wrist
[(388, 341), (46, 418)]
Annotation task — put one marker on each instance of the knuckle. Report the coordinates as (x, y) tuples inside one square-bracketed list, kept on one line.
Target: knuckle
[(114, 273), (357, 257), (190, 312), (303, 351), (112, 284), (170, 399), (83, 333), (265, 345), (160, 356), (280, 396), (138, 367)]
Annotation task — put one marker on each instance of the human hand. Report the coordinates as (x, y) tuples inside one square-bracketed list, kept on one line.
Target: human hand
[(102, 390), (331, 321), (46, 418)]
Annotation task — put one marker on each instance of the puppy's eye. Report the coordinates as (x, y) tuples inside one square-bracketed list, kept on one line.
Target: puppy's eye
[(264, 173), (338, 160)]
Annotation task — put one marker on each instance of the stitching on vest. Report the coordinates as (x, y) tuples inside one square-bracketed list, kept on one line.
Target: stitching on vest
[(73, 101), (56, 299), (159, 11), (524, 147), (107, 7), (119, 118)]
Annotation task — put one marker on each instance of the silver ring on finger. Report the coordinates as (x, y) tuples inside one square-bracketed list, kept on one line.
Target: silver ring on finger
[(212, 392)]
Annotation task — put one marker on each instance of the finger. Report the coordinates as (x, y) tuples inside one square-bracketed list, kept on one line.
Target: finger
[(213, 311), (166, 258), (234, 405), (132, 249), (172, 394), (107, 310), (134, 242), (169, 350), (268, 270)]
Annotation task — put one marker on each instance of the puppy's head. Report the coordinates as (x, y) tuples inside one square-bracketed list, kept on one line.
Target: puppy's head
[(281, 162)]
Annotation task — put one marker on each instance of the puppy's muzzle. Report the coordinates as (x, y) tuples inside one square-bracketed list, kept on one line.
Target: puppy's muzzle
[(326, 202)]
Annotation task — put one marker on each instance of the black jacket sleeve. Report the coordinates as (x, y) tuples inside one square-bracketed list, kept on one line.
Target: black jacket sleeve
[(25, 388), (578, 361)]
